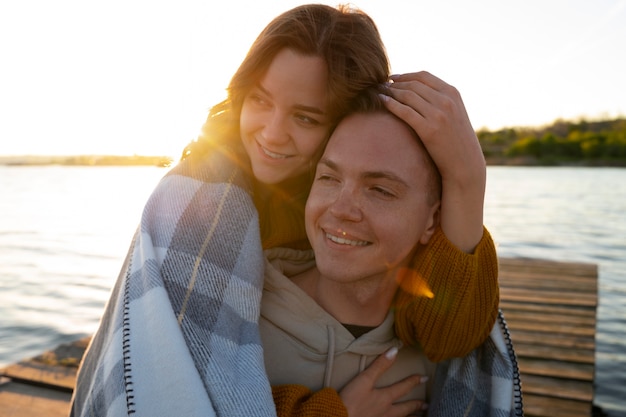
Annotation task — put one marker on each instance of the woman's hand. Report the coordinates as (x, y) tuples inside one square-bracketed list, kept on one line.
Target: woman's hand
[(362, 399), (435, 110)]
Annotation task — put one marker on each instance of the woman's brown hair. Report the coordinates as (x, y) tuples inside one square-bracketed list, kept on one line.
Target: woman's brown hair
[(345, 37)]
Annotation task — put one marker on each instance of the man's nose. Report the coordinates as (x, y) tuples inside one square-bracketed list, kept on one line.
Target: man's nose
[(347, 205)]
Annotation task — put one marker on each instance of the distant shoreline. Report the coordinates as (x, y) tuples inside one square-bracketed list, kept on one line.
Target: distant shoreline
[(166, 161), (86, 160), (580, 143), (534, 162)]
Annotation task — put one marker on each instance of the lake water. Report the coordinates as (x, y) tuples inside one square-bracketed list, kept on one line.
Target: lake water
[(64, 232)]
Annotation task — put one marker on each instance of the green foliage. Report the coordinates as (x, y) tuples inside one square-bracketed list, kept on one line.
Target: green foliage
[(581, 142)]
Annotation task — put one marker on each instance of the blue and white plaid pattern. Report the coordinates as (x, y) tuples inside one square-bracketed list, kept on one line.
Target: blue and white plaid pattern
[(180, 333), (483, 383)]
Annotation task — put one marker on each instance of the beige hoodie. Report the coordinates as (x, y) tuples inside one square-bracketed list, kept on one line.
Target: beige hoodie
[(305, 345)]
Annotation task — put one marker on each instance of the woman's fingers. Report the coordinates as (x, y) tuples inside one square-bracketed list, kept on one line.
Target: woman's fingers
[(363, 399), (405, 108), (381, 364), (423, 77)]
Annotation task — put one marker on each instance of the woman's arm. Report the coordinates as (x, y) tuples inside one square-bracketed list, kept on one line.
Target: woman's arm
[(435, 110), (459, 266), (449, 304), (359, 398)]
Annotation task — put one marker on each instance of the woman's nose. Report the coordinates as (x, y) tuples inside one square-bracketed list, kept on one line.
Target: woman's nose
[(275, 129)]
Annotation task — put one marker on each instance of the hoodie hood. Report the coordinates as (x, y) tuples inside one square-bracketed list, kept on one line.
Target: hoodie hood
[(299, 334)]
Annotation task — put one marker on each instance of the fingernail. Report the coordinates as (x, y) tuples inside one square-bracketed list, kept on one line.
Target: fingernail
[(391, 353), (383, 97), (423, 379), (424, 406)]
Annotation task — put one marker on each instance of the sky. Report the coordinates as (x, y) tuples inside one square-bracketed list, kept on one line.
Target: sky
[(138, 76)]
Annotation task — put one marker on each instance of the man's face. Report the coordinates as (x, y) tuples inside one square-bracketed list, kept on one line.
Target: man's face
[(368, 206)]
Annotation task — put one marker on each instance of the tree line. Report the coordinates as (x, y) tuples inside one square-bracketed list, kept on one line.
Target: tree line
[(582, 142)]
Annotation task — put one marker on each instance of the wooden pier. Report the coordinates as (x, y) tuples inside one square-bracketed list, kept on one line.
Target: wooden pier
[(43, 385), (550, 308)]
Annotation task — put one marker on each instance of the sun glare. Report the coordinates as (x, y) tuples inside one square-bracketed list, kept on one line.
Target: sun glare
[(139, 78)]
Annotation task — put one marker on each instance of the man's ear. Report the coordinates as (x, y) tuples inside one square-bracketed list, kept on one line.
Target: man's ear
[(433, 223)]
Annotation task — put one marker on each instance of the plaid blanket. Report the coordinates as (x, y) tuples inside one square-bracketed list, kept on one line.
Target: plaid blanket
[(179, 335), (484, 383)]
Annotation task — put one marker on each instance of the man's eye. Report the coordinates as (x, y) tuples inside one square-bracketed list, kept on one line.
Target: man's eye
[(324, 177), (384, 192)]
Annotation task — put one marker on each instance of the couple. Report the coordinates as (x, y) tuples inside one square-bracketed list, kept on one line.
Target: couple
[(179, 335)]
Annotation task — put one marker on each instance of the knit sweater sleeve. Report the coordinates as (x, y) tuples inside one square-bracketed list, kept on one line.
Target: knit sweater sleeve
[(300, 401), (449, 302)]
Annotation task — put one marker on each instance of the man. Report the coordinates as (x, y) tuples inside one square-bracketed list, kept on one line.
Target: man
[(374, 203)]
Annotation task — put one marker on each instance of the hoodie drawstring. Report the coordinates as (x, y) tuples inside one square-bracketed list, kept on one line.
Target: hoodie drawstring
[(362, 363), (330, 357)]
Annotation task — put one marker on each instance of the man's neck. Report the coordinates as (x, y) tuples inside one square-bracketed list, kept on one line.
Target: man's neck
[(365, 303)]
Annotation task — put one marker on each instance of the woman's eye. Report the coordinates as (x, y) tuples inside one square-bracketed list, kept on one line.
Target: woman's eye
[(303, 118), (257, 98)]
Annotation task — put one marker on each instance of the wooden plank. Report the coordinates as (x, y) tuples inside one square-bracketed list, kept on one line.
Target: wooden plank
[(507, 305), (538, 269), (541, 406), (543, 265), (558, 387), (59, 377), (556, 340), (549, 328), (564, 297), (554, 353), (549, 282), (562, 318), (56, 368), (536, 276), (559, 369), (550, 308), (23, 400)]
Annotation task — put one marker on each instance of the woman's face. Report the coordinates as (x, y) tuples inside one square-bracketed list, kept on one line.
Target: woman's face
[(284, 118)]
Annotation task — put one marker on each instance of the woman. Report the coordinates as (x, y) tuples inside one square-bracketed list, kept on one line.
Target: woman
[(194, 272)]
